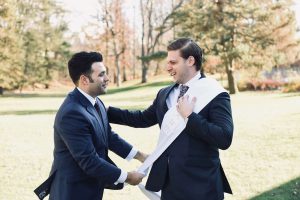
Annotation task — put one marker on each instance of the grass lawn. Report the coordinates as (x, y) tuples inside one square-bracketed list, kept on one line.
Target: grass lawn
[(262, 163)]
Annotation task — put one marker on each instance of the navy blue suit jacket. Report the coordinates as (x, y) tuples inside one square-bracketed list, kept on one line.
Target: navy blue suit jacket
[(81, 168), (190, 168)]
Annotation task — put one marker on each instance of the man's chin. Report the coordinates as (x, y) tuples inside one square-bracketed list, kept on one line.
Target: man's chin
[(175, 80), (104, 91)]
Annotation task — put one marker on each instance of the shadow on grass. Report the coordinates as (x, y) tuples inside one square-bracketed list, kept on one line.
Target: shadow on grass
[(286, 191), (27, 112), (110, 91), (291, 94), (36, 112), (139, 86), (34, 95)]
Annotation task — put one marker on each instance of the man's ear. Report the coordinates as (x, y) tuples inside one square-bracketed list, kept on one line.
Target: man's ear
[(83, 80), (191, 61)]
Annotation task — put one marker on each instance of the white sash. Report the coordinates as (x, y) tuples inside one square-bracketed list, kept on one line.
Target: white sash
[(205, 90)]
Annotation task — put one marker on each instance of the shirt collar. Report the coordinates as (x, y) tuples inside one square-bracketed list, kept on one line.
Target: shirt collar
[(89, 97), (192, 80)]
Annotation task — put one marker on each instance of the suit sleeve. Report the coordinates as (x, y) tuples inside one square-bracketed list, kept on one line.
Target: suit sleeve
[(217, 130), (136, 119), (75, 131), (117, 144)]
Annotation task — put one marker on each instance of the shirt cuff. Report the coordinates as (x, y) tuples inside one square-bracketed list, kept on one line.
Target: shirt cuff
[(131, 154), (122, 178)]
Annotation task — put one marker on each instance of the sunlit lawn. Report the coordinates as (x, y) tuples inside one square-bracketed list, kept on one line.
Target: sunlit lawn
[(264, 156)]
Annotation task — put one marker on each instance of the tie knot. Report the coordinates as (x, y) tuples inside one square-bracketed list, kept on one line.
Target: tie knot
[(96, 106), (183, 89)]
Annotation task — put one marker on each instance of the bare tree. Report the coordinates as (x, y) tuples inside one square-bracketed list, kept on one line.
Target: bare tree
[(154, 25), (115, 24)]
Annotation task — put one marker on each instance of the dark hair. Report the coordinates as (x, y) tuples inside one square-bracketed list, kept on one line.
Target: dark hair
[(187, 48), (81, 63)]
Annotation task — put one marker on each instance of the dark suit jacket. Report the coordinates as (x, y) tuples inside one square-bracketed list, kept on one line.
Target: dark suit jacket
[(81, 168), (190, 168)]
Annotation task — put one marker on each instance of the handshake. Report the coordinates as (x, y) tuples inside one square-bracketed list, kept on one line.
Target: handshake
[(134, 177)]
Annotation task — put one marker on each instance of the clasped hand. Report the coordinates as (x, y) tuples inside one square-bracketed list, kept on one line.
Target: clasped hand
[(134, 177)]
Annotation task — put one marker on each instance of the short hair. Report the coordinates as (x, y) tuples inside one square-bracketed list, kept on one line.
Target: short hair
[(187, 48), (81, 64)]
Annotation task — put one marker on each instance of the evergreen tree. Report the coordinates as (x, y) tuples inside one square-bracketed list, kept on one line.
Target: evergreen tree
[(32, 42), (241, 33), (10, 46)]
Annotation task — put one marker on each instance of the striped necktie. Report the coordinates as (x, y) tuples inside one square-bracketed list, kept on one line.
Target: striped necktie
[(97, 107), (183, 89)]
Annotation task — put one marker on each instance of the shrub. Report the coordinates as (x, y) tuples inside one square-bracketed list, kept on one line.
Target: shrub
[(292, 87), (254, 85)]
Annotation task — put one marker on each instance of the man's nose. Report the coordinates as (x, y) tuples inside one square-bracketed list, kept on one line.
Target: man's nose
[(106, 78), (168, 67)]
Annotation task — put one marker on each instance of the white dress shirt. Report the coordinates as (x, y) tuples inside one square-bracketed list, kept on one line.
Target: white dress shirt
[(172, 98), (122, 178)]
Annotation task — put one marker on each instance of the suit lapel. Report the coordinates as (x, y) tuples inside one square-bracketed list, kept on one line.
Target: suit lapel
[(164, 97), (90, 108), (166, 93), (93, 111), (103, 114)]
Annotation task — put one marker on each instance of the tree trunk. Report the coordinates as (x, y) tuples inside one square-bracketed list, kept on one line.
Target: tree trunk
[(47, 78), (20, 88), (232, 86), (231, 82), (144, 72), (133, 70), (118, 80), (124, 74), (133, 62), (115, 77), (157, 70), (118, 76)]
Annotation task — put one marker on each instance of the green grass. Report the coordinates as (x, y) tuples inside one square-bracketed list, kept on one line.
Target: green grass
[(261, 164), (289, 190), (139, 86)]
